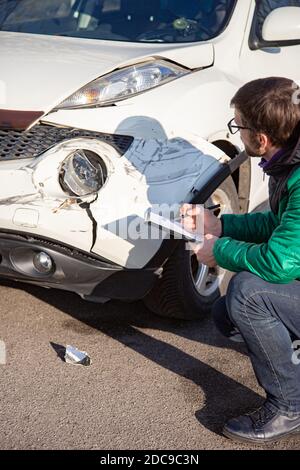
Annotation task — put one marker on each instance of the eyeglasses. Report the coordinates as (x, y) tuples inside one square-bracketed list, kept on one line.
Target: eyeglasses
[(234, 128)]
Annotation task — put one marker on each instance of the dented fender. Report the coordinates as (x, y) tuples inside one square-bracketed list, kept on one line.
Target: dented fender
[(152, 171)]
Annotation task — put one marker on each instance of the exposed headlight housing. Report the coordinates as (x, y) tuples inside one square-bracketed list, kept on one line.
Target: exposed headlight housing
[(82, 173), (124, 83)]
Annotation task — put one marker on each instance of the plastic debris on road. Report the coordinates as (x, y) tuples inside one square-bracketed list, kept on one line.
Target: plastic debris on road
[(76, 357)]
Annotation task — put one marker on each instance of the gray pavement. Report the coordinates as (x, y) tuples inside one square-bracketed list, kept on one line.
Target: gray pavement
[(153, 384)]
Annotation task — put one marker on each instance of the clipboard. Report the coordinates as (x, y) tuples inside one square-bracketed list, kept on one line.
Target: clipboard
[(171, 226)]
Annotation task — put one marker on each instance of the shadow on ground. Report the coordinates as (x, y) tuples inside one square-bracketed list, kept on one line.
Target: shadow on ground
[(122, 322)]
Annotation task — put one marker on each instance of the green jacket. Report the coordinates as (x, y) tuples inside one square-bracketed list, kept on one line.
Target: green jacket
[(266, 244)]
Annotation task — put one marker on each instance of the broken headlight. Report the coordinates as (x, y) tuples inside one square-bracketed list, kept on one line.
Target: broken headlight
[(82, 173)]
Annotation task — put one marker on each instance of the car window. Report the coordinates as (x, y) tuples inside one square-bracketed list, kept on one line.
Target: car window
[(264, 7), (162, 21), (31, 10)]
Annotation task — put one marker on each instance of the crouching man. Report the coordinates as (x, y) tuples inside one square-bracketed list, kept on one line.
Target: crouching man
[(262, 305)]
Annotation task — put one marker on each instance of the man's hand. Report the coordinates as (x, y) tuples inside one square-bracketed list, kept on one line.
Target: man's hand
[(190, 219), (205, 253)]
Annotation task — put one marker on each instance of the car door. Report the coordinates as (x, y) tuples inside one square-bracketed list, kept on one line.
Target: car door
[(260, 58)]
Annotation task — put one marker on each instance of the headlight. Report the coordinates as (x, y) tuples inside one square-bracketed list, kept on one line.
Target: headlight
[(124, 83), (82, 173)]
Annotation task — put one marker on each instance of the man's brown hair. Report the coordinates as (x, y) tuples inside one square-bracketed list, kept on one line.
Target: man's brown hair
[(270, 106)]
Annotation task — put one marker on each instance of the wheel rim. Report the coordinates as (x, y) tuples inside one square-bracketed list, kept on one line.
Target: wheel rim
[(207, 280)]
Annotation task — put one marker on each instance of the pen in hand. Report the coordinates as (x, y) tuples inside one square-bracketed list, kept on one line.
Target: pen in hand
[(210, 208)]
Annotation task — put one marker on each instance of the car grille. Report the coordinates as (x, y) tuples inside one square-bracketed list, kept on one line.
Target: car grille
[(27, 144)]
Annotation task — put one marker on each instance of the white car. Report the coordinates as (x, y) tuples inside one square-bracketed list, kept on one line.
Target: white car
[(109, 107)]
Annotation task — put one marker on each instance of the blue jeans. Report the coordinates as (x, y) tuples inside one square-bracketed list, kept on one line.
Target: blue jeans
[(268, 318)]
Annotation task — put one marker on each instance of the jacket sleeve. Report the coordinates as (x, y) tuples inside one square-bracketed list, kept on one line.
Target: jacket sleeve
[(256, 227), (278, 259)]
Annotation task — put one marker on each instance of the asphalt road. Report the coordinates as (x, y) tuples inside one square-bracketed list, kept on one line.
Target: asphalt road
[(153, 383)]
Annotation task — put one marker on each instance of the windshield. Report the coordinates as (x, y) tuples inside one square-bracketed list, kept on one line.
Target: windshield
[(161, 21)]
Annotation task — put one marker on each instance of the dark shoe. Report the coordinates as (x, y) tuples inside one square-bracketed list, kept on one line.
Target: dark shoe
[(262, 425)]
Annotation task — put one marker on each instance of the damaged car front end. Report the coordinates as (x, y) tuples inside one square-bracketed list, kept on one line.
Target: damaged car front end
[(92, 134), (67, 195)]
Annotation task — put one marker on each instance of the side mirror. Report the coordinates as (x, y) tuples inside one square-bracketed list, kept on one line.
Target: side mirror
[(282, 24)]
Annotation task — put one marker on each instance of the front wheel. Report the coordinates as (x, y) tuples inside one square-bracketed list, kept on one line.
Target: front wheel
[(187, 290)]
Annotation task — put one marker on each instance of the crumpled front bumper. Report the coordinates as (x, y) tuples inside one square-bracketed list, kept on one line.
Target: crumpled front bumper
[(89, 256), (142, 172)]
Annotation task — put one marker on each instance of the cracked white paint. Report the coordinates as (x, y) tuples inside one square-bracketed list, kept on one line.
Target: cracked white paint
[(153, 171), (161, 161)]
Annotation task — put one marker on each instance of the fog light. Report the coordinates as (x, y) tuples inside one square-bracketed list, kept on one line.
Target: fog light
[(43, 262)]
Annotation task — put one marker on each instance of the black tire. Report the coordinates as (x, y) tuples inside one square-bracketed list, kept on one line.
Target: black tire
[(174, 294)]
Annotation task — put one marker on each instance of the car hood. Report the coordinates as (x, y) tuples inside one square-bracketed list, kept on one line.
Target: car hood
[(38, 72)]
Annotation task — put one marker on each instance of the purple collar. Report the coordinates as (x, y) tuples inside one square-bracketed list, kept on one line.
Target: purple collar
[(266, 164)]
